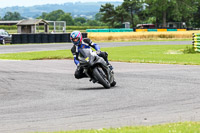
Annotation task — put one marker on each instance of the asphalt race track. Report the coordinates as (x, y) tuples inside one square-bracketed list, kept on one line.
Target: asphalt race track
[(47, 47), (43, 95)]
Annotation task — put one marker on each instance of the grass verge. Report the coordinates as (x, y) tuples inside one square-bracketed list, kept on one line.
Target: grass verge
[(40, 55), (128, 40), (181, 127), (161, 54)]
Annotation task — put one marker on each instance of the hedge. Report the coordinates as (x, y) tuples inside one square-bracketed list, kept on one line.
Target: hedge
[(8, 27), (14, 27)]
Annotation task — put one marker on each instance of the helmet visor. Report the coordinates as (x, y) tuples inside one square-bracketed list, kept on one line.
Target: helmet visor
[(75, 39)]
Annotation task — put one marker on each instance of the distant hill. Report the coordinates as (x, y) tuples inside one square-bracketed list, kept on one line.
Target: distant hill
[(87, 9)]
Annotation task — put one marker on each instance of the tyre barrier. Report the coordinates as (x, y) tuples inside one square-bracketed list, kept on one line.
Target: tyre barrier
[(196, 41), (37, 38), (56, 38), (42, 38), (31, 38), (16, 39), (24, 38)]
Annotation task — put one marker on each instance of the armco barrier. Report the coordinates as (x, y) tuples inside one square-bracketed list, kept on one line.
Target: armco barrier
[(141, 30), (181, 30), (152, 30), (103, 30), (196, 41), (171, 29), (158, 30), (131, 30), (92, 30), (42, 38), (161, 30), (109, 30)]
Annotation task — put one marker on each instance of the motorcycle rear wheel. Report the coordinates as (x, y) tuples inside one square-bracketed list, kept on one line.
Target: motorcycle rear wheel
[(113, 84)]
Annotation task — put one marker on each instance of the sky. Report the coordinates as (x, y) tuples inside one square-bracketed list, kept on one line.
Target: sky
[(9, 3)]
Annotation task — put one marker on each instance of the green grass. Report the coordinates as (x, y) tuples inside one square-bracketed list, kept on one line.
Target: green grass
[(59, 54), (162, 54), (181, 127)]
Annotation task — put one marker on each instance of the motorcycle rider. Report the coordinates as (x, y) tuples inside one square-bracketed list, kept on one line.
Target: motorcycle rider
[(79, 42)]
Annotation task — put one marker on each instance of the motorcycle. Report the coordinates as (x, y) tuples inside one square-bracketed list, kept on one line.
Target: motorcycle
[(96, 68)]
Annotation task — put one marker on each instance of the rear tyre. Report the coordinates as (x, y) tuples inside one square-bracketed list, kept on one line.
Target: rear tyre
[(113, 84), (101, 77)]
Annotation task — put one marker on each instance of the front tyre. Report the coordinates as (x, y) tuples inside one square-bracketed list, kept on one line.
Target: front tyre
[(101, 77)]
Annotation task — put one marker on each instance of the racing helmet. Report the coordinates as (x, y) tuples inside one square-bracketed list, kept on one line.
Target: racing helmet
[(76, 37)]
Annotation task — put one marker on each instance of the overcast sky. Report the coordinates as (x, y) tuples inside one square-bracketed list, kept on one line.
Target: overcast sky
[(8, 3)]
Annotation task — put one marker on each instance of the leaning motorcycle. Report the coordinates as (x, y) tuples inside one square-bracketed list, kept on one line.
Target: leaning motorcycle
[(96, 68)]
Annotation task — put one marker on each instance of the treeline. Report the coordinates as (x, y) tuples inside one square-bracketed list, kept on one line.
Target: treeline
[(60, 15), (133, 11), (14, 27), (12, 16), (152, 11)]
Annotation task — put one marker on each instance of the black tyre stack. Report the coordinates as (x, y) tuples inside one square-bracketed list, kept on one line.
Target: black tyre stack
[(42, 38), (16, 39)]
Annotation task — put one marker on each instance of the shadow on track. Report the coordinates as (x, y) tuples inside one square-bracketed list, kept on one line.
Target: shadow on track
[(96, 88)]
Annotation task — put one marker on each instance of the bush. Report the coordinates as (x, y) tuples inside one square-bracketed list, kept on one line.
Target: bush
[(8, 27), (85, 27), (189, 50)]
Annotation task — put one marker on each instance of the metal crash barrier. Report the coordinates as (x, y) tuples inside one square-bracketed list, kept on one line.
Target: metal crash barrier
[(196, 41), (42, 38)]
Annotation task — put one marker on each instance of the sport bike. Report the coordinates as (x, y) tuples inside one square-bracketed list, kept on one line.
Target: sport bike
[(96, 68)]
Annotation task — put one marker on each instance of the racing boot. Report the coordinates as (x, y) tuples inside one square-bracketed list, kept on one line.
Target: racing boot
[(111, 67)]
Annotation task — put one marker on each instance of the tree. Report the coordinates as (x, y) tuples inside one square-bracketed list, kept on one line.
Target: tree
[(174, 10), (196, 21), (108, 14), (132, 7), (185, 10), (54, 15), (12, 16), (80, 19), (43, 16), (121, 14), (98, 16), (68, 18)]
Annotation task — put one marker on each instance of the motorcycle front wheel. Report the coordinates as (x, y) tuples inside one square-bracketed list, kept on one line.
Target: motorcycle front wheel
[(101, 77)]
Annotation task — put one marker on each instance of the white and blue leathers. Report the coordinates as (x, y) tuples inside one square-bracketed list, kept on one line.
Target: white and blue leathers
[(86, 43)]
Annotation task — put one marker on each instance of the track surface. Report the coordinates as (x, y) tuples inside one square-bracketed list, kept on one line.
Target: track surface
[(44, 96), (46, 47)]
